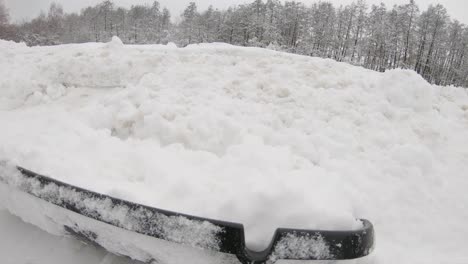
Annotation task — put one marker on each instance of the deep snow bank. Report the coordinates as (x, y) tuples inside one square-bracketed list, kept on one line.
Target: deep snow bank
[(247, 135)]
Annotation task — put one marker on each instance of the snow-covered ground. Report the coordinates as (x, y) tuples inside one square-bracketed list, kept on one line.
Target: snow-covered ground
[(248, 135)]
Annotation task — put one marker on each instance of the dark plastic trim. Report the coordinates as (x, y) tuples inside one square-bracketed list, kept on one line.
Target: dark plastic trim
[(342, 244)]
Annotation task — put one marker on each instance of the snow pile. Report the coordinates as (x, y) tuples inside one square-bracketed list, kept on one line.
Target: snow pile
[(248, 135)]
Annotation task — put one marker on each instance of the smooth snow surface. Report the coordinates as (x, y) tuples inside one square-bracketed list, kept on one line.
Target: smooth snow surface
[(248, 135), (22, 243)]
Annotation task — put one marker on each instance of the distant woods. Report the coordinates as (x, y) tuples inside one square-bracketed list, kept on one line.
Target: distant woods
[(376, 37)]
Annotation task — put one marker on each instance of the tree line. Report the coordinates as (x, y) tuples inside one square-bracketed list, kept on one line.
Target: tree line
[(376, 37)]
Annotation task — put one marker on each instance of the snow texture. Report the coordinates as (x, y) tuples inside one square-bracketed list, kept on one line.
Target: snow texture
[(293, 246), (247, 135)]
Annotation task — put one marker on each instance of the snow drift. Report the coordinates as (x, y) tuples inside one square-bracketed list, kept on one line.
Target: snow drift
[(248, 135)]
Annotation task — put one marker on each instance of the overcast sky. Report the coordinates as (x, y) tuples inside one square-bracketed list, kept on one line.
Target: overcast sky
[(26, 9)]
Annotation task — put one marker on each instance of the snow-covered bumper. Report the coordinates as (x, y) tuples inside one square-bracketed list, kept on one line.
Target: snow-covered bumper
[(153, 235)]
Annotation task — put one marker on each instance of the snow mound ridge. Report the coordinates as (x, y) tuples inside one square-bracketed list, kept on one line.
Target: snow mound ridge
[(104, 66)]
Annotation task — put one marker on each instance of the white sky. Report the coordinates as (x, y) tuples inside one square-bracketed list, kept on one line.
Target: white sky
[(27, 9)]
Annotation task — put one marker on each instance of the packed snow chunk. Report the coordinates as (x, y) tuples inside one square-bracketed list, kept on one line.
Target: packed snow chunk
[(247, 135), (115, 42), (171, 45)]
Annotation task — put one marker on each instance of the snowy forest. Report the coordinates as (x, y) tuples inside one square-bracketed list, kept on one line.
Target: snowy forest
[(376, 37)]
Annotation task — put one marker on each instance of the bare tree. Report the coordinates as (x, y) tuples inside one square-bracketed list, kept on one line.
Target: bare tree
[(188, 23), (409, 13), (4, 17), (7, 31)]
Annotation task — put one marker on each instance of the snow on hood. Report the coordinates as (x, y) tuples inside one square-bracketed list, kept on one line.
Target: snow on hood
[(248, 135)]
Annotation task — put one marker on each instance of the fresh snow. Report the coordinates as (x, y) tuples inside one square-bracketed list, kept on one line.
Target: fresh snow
[(248, 135)]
